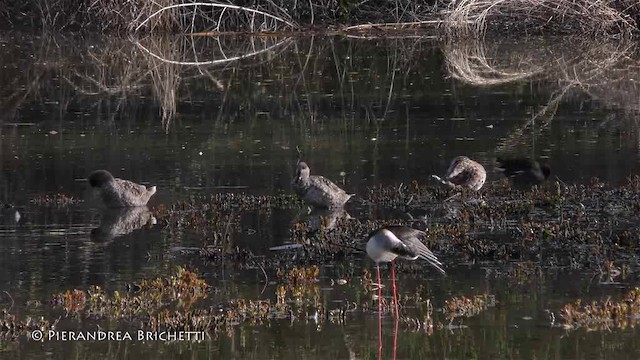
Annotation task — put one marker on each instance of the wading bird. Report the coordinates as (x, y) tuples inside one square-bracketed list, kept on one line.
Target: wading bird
[(390, 242), (464, 172), (119, 193), (317, 190)]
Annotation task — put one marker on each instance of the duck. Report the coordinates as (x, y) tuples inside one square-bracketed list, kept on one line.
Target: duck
[(318, 191), (523, 171), (117, 193), (388, 243), (464, 172)]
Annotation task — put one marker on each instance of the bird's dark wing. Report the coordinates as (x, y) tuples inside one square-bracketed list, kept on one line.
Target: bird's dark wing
[(413, 245)]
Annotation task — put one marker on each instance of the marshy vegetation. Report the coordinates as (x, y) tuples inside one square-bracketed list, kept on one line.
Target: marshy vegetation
[(217, 120), (460, 18)]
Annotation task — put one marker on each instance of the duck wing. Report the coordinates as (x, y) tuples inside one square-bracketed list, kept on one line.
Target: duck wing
[(324, 192), (326, 185), (132, 193)]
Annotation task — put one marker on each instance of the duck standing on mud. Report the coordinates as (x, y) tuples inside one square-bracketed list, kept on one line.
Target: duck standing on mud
[(523, 171), (318, 191), (390, 242), (464, 172), (119, 193)]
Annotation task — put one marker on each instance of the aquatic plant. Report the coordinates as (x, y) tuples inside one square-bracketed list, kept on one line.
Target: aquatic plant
[(146, 297), (463, 306), (57, 200), (12, 328), (202, 217), (300, 275), (580, 223), (602, 315)]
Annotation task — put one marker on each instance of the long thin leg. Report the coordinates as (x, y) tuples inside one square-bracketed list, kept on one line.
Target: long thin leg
[(379, 315), (395, 339), (395, 291)]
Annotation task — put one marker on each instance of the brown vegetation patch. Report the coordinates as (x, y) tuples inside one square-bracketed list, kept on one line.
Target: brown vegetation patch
[(463, 306), (57, 200), (146, 297), (12, 328), (603, 315)]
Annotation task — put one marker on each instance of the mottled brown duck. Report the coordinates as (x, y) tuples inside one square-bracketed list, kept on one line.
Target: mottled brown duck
[(464, 172), (317, 190), (119, 193)]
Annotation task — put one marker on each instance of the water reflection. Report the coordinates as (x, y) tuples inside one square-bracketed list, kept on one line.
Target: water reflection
[(325, 219), (10, 215), (116, 222)]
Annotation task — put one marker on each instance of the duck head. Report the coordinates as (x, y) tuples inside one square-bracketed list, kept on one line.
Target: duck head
[(99, 178), (302, 173)]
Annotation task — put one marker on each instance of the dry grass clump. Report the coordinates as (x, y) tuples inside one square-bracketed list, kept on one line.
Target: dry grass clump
[(594, 17), (157, 16)]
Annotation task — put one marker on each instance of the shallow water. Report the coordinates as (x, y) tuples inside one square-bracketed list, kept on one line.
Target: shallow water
[(363, 112)]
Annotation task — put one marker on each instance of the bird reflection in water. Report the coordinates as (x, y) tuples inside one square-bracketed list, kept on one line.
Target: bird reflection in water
[(325, 219), (121, 221), (394, 349)]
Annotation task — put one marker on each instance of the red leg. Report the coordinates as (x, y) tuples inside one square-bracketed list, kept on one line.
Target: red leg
[(379, 315), (395, 339), (395, 291)]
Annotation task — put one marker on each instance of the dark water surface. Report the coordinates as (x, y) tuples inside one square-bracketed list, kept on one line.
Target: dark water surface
[(363, 112)]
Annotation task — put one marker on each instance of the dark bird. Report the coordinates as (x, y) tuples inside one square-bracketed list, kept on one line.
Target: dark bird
[(317, 190), (464, 172), (119, 193), (523, 171)]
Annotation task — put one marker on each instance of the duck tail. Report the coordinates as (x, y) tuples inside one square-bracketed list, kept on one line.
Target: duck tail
[(152, 190)]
